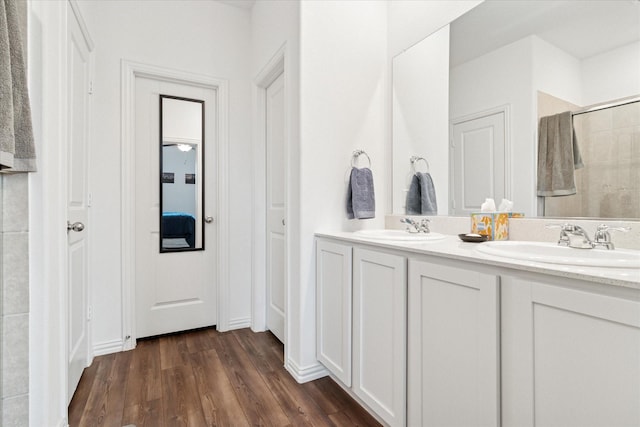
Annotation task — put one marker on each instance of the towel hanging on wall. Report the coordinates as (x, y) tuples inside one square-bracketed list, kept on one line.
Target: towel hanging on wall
[(558, 155), (421, 198), (17, 149), (361, 201)]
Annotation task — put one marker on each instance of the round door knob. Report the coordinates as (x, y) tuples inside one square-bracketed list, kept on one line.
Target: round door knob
[(76, 226), (208, 219)]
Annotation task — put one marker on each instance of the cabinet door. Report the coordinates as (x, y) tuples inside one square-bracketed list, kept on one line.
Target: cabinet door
[(570, 357), (379, 332), (333, 305), (453, 346)]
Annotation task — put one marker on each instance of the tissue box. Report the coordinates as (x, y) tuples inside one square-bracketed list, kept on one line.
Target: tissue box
[(495, 225)]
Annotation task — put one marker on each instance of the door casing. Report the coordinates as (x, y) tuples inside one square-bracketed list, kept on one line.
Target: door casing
[(129, 71)]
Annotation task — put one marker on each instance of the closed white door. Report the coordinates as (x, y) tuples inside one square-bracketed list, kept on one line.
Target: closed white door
[(175, 289), (77, 203), (276, 202), (478, 162)]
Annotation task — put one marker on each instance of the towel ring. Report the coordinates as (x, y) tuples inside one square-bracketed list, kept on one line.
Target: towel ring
[(416, 159), (356, 155)]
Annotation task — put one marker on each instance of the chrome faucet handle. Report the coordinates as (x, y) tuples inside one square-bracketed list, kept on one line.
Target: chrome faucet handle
[(424, 225), (603, 237), (563, 240), (412, 226), (573, 236)]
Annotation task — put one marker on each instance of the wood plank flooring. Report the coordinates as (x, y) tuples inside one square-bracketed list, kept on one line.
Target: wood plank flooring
[(207, 378)]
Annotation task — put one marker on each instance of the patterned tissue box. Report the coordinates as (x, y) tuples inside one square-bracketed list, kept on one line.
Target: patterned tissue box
[(495, 225)]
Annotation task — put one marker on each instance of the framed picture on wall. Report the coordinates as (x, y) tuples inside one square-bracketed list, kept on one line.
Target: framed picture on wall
[(168, 177), (189, 178)]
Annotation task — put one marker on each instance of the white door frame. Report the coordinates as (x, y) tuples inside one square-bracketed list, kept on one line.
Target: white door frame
[(504, 109), (276, 66), (130, 70)]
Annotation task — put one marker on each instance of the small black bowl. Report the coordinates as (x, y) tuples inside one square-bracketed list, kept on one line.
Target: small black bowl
[(473, 238)]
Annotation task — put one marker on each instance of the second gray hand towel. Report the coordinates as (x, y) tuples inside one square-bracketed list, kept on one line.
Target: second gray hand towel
[(361, 201), (421, 198)]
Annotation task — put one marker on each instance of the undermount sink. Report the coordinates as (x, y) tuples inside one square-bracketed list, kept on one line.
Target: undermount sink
[(399, 235), (554, 254)]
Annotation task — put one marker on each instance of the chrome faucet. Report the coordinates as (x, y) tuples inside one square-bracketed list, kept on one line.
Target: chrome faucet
[(575, 236), (413, 226), (603, 237)]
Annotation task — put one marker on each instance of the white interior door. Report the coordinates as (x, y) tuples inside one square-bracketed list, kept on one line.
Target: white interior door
[(77, 194), (174, 291), (478, 162), (276, 202)]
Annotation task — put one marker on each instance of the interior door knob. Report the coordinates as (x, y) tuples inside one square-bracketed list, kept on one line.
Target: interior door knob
[(282, 221), (76, 226), (208, 219)]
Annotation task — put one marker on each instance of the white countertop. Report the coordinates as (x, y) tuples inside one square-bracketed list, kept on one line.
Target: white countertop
[(452, 247)]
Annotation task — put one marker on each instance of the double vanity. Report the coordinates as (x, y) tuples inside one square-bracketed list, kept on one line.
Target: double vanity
[(431, 331)]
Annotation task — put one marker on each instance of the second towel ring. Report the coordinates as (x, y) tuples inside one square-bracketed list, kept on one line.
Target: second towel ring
[(416, 159), (356, 154)]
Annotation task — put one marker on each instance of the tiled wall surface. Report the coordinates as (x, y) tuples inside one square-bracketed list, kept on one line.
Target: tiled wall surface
[(14, 288), (14, 307)]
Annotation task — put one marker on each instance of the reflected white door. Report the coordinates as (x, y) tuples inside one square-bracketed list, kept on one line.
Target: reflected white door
[(478, 162), (77, 207), (276, 202), (174, 291)]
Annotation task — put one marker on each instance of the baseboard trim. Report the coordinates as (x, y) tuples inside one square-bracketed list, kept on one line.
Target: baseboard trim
[(307, 373), (108, 347), (239, 323)]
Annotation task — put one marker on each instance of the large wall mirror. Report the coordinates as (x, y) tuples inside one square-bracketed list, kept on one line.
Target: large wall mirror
[(181, 174), (508, 63)]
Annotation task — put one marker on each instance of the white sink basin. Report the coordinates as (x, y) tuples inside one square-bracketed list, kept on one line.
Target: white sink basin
[(554, 254), (399, 235)]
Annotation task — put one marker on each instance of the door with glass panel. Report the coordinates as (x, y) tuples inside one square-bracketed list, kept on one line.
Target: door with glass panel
[(175, 205)]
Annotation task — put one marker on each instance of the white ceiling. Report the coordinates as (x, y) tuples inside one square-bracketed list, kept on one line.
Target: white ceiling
[(580, 28), (242, 4)]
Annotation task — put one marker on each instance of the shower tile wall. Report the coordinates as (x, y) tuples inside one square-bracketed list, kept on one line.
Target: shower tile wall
[(14, 290), (14, 307)]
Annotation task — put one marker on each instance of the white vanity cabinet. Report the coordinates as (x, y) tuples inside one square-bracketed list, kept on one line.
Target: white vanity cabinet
[(453, 345), (426, 338), (333, 308), (570, 353), (379, 332)]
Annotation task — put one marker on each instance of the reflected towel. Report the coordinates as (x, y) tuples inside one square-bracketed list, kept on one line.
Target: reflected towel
[(558, 155), (421, 198), (17, 150), (361, 201)]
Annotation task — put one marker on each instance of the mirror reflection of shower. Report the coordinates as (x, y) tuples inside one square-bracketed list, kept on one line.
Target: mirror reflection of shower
[(608, 186), (181, 179)]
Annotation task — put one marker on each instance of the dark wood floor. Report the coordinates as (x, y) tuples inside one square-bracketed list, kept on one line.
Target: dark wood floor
[(207, 378)]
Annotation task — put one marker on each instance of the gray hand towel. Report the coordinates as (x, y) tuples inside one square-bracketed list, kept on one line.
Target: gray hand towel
[(17, 150), (361, 201), (421, 198), (558, 155)]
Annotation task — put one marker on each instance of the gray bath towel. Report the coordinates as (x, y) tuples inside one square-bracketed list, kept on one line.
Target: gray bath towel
[(421, 198), (361, 200), (558, 155), (17, 151)]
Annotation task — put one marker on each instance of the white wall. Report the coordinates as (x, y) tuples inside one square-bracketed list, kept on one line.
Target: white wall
[(410, 21), (612, 75), (344, 106), (421, 117), (556, 72), (275, 31), (196, 36), (502, 77)]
